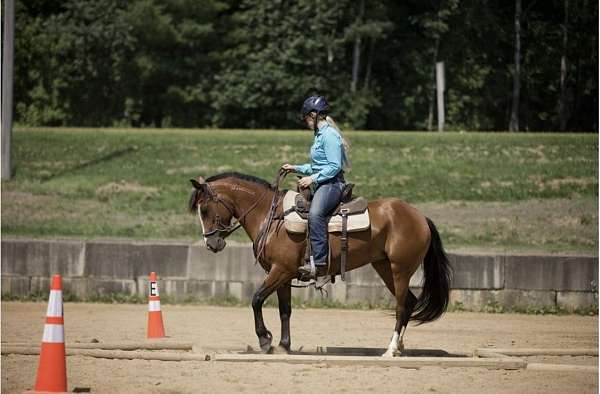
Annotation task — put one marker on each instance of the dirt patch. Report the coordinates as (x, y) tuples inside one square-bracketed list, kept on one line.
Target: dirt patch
[(104, 192), (234, 328), (186, 170), (257, 163), (556, 184)]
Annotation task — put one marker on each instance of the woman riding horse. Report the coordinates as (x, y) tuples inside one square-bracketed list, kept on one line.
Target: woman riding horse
[(399, 240), (328, 155)]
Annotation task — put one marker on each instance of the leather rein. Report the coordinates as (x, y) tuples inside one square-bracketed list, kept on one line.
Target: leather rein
[(227, 230), (260, 242)]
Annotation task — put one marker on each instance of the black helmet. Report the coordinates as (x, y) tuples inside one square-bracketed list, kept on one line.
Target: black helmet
[(315, 103)]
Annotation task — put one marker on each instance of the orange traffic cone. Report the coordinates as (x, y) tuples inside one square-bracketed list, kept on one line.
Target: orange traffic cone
[(155, 321), (52, 369)]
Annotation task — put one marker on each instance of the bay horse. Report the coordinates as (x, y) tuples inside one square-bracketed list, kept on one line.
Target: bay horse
[(399, 240)]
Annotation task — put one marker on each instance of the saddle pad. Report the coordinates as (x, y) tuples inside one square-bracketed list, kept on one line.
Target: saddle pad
[(295, 224)]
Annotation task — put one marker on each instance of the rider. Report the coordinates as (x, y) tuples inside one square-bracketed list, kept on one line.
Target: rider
[(328, 156)]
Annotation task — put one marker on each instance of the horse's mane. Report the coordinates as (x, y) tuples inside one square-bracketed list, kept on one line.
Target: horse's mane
[(193, 202), (250, 178)]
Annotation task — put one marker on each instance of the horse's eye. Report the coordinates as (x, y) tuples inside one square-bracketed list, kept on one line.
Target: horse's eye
[(203, 210)]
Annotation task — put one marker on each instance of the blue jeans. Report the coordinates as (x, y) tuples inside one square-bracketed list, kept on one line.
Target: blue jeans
[(326, 199)]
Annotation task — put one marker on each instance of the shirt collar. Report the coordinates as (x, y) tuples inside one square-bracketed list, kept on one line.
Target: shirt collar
[(323, 127)]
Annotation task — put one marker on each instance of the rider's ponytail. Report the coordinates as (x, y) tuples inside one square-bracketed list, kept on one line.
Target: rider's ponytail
[(345, 142)]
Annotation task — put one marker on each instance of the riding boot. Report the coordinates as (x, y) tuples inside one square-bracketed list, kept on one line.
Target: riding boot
[(306, 272)]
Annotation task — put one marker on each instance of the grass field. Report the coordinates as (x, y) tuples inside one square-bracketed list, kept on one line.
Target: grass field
[(485, 191)]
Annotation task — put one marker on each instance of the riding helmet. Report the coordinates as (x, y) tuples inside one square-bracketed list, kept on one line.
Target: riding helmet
[(315, 103)]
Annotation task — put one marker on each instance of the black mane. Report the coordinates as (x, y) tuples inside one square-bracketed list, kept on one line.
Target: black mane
[(250, 178)]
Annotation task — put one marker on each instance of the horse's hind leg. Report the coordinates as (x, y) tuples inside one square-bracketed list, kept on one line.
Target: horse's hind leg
[(398, 284), (384, 270)]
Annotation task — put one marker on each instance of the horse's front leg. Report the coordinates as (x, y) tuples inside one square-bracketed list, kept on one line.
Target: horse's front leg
[(273, 281), (284, 297)]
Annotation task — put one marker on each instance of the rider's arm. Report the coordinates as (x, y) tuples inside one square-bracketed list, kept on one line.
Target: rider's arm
[(304, 169)]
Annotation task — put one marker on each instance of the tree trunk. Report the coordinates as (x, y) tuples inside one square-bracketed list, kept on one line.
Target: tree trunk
[(356, 55), (432, 85), (562, 104), (514, 116), (439, 88), (369, 63), (7, 86)]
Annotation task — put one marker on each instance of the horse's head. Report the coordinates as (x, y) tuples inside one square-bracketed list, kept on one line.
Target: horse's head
[(214, 214)]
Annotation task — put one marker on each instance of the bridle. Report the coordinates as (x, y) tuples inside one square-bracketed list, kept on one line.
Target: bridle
[(223, 230), (260, 241)]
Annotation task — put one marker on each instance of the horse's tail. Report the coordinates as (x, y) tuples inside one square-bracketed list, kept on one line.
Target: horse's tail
[(434, 298)]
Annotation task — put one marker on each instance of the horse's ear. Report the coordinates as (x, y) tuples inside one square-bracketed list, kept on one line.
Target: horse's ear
[(198, 184)]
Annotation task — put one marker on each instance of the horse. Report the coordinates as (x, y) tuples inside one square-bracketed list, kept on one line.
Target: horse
[(399, 240)]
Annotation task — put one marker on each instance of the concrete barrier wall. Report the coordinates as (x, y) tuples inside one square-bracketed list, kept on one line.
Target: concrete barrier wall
[(92, 268)]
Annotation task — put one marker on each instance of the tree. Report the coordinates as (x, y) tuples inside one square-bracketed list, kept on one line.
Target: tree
[(530, 65), (562, 101), (170, 72), (514, 113), (78, 63)]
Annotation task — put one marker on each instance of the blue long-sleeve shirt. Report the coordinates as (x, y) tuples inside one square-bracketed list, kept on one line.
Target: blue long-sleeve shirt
[(327, 155)]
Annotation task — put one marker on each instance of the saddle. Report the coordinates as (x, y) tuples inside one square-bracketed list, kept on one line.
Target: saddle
[(351, 215), (352, 206), (296, 208)]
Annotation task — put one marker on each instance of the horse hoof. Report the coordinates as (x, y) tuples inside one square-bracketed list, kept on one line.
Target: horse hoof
[(267, 349), (265, 342), (392, 353)]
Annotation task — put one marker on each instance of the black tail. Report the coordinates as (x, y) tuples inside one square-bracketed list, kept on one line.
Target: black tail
[(434, 298)]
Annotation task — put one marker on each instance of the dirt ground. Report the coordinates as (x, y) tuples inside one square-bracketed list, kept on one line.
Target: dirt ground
[(234, 328)]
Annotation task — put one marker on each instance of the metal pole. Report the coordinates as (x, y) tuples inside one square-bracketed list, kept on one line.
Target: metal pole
[(440, 83), (7, 86)]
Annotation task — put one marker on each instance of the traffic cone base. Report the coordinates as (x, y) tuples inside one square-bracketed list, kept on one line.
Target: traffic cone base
[(52, 374), (156, 328)]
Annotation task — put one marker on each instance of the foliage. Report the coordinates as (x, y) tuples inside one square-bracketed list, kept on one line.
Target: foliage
[(181, 63)]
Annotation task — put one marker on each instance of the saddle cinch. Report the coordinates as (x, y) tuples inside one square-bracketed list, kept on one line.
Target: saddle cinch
[(296, 207)]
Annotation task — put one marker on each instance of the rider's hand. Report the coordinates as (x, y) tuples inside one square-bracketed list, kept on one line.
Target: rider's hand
[(305, 182), (288, 167)]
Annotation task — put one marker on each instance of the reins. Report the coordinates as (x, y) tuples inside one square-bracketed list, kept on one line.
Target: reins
[(260, 242), (232, 227), (261, 239)]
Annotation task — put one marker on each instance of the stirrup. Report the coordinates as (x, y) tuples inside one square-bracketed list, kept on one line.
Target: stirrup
[(310, 275)]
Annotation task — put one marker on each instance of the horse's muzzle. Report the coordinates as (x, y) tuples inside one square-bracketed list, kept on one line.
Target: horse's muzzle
[(215, 244)]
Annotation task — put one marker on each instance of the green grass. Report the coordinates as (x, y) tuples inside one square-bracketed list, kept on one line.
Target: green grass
[(495, 307), (134, 183), (316, 303)]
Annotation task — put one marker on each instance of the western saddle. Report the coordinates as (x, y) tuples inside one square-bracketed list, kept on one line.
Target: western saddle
[(348, 207)]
